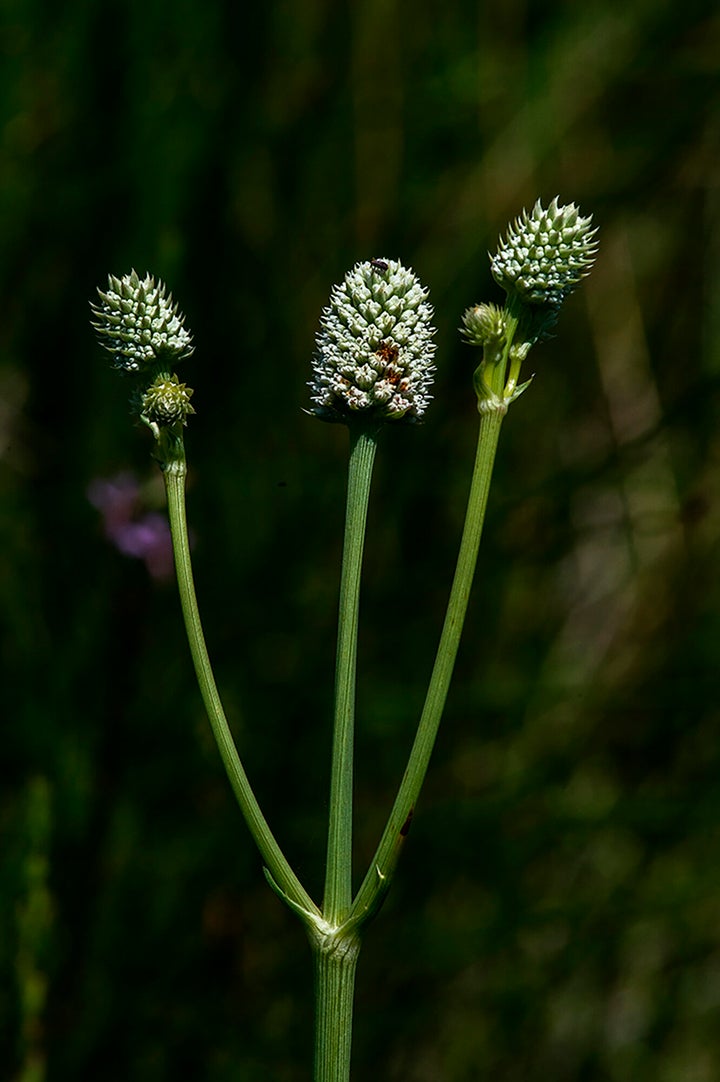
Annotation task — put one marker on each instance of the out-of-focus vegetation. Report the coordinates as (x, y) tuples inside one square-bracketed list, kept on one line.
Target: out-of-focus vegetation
[(556, 912)]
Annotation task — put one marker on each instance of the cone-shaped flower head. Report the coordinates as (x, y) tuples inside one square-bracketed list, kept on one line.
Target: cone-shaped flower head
[(374, 348), (545, 254), (139, 323)]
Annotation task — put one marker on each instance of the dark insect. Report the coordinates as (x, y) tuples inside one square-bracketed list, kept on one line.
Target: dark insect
[(379, 265)]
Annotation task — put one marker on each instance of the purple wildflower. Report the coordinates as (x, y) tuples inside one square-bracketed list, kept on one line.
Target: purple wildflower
[(144, 535)]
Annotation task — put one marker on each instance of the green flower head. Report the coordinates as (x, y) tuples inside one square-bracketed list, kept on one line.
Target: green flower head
[(166, 402), (139, 323), (545, 254), (484, 325)]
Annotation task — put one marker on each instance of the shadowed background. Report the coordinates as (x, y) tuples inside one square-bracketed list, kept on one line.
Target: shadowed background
[(556, 913)]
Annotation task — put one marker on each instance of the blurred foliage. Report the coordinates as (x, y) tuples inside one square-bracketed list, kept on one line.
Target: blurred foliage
[(556, 914)]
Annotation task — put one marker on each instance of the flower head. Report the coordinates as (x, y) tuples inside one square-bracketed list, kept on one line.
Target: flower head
[(166, 401), (483, 325), (139, 323), (545, 254), (374, 348)]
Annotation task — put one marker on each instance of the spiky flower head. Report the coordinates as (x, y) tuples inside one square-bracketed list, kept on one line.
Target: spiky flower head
[(166, 402), (545, 254), (374, 350), (139, 323), (483, 325)]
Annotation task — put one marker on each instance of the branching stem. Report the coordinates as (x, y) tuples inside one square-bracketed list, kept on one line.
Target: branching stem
[(174, 472)]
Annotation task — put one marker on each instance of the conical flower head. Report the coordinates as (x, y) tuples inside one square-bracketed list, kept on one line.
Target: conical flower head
[(139, 323), (545, 254), (375, 350)]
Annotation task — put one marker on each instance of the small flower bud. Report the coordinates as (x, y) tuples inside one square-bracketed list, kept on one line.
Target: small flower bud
[(484, 325), (518, 352), (140, 324), (166, 402), (374, 347), (545, 254)]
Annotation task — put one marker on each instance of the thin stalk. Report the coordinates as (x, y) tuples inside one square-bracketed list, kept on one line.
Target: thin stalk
[(338, 872), (377, 880), (174, 472)]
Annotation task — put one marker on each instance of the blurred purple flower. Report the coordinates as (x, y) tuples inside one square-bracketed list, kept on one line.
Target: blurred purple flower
[(134, 532)]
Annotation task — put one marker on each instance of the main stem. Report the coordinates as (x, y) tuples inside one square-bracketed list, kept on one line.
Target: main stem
[(338, 877), (174, 472), (335, 967)]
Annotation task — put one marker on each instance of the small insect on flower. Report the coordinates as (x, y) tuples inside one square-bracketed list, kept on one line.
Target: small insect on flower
[(379, 265)]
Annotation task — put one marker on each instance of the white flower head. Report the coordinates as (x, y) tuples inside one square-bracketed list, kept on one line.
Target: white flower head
[(374, 350), (139, 323), (545, 254)]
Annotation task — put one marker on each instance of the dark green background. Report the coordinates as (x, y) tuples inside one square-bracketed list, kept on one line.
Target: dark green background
[(557, 911)]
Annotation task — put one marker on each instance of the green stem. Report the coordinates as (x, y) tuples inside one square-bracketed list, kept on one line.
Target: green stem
[(338, 877), (174, 472), (377, 880), (335, 965)]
